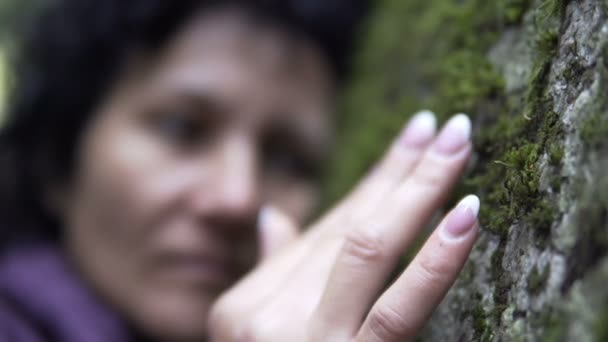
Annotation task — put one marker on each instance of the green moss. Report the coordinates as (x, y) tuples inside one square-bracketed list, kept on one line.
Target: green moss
[(600, 326), (501, 282), (556, 153), (434, 55), (481, 325), (512, 181), (516, 143), (496, 261), (594, 131), (542, 215), (447, 41), (538, 279), (3, 83), (468, 273), (535, 94), (590, 219), (513, 10), (554, 324)]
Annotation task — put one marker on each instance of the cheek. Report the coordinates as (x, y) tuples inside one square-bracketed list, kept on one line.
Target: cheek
[(124, 185), (297, 199), (128, 188)]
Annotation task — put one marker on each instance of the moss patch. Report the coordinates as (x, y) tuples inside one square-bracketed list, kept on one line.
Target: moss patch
[(3, 84), (481, 324), (434, 55), (418, 54), (538, 278), (601, 326), (448, 43), (595, 130)]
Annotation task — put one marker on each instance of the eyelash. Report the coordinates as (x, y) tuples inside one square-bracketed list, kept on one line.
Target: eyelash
[(183, 130), (179, 128), (293, 162)]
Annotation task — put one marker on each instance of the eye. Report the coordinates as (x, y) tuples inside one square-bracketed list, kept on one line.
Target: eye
[(179, 127), (292, 162)]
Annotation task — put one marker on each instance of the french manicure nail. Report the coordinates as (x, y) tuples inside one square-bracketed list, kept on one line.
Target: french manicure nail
[(463, 217), (420, 130), (265, 216), (454, 135)]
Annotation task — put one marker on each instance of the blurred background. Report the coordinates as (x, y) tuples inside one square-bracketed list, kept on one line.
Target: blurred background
[(13, 13), (520, 68)]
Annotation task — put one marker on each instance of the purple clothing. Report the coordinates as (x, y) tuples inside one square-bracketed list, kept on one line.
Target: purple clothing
[(42, 299)]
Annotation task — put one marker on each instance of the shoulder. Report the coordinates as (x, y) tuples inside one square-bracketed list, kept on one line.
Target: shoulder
[(41, 293), (14, 326), (19, 289)]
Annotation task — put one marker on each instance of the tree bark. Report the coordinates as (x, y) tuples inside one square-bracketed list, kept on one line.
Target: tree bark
[(533, 75)]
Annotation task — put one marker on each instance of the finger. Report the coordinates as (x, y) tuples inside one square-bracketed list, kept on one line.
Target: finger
[(399, 160), (373, 247), (276, 230), (403, 309), (403, 153), (238, 304)]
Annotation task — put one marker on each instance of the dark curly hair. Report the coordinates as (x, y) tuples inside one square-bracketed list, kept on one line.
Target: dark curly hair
[(74, 50)]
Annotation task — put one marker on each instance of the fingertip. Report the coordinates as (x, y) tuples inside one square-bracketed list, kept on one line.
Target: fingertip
[(471, 202), (275, 230), (420, 129), (463, 218), (265, 216), (455, 135)]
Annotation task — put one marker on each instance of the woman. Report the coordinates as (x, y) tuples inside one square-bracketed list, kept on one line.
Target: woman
[(158, 151)]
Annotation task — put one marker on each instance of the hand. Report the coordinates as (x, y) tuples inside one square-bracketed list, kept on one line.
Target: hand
[(326, 285)]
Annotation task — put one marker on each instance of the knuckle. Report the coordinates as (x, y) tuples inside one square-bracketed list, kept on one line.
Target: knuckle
[(228, 322), (263, 327), (388, 324), (432, 174), (250, 332), (221, 322), (319, 331), (219, 313), (433, 271), (320, 327), (364, 245), (316, 329)]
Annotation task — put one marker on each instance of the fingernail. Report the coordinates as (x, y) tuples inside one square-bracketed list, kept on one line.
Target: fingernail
[(463, 217), (454, 135), (420, 129), (265, 216)]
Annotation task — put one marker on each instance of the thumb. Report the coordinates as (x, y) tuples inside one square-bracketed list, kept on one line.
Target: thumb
[(275, 231)]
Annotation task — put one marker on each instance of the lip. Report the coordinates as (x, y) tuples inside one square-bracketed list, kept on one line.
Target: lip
[(197, 269)]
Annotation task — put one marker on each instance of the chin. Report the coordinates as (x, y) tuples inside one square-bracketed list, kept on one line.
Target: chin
[(175, 315)]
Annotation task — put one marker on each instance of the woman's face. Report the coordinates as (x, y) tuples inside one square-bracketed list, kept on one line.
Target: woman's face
[(182, 154)]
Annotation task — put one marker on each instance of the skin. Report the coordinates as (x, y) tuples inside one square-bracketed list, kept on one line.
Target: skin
[(327, 285), (190, 146), (179, 160)]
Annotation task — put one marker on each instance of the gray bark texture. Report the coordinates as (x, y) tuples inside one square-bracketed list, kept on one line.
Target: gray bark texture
[(533, 75)]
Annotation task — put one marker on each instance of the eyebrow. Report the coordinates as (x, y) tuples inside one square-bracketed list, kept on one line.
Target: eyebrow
[(283, 129), (206, 101)]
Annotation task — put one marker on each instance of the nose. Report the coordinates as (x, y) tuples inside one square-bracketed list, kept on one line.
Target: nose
[(232, 193)]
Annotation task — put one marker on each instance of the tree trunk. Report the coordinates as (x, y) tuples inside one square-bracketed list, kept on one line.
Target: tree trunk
[(533, 75)]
